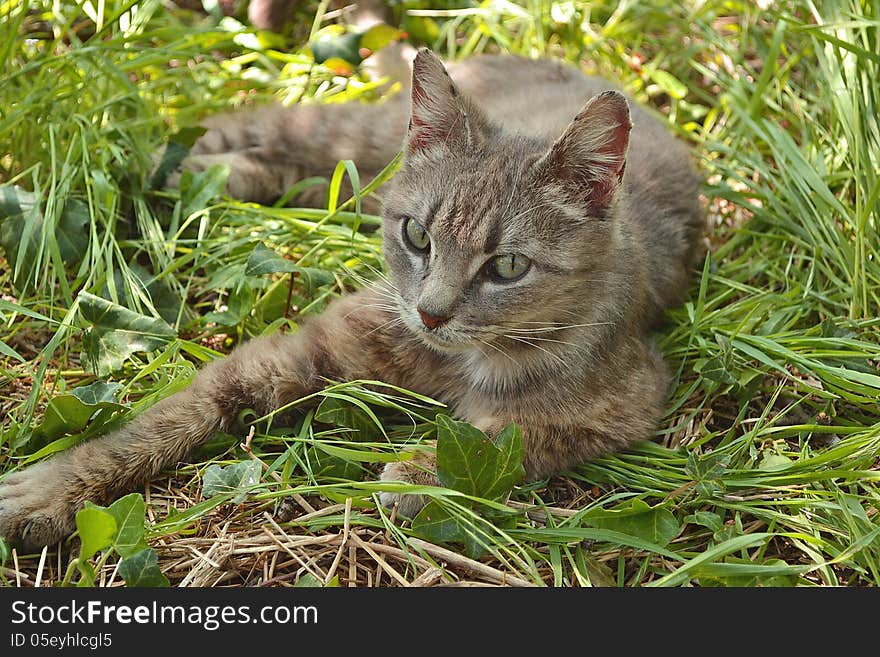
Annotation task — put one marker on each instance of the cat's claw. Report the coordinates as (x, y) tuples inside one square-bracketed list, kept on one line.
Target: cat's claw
[(34, 509)]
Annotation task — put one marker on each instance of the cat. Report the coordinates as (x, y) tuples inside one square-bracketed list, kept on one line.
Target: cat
[(532, 243)]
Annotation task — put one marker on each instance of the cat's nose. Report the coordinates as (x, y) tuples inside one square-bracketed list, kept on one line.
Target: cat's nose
[(432, 321)]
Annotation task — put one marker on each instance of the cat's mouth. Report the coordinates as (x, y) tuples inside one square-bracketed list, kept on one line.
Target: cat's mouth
[(447, 339), (442, 343)]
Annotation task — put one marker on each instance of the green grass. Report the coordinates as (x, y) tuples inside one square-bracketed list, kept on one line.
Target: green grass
[(765, 468)]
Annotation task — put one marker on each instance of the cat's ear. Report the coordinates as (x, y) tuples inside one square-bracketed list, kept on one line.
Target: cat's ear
[(589, 159), (440, 117)]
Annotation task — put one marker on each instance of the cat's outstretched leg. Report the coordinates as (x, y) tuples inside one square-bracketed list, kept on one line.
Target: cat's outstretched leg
[(38, 504)]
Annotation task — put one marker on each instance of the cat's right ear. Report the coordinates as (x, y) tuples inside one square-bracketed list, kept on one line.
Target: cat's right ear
[(440, 117), (589, 159)]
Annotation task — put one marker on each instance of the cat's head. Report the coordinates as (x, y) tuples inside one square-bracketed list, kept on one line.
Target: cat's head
[(491, 236)]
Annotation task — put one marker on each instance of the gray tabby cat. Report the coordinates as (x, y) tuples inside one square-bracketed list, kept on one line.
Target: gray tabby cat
[(530, 255)]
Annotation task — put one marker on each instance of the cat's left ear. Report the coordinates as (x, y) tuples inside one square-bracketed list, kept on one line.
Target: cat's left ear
[(589, 159), (441, 117)]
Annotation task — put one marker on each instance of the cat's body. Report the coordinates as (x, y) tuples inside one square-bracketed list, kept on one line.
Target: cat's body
[(527, 270)]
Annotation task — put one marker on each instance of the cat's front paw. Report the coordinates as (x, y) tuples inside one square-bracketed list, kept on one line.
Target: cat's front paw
[(420, 470), (36, 508)]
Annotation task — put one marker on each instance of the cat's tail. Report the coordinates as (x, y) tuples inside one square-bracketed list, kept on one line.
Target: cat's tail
[(270, 149)]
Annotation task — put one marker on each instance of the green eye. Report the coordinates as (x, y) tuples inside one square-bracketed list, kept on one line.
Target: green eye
[(416, 235), (509, 267)]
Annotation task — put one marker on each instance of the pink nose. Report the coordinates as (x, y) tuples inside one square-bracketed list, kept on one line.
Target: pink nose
[(431, 321)]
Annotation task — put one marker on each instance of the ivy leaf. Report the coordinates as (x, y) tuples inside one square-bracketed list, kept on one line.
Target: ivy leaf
[(708, 519), (239, 478), (21, 225), (70, 413), (97, 528), (442, 525), (329, 466), (129, 513), (339, 413), (197, 190), (165, 300), (117, 332), (176, 150), (98, 392), (714, 369), (655, 524), (468, 460), (72, 232), (141, 569), (333, 45), (307, 580), (708, 471), (437, 524), (19, 221), (264, 260)]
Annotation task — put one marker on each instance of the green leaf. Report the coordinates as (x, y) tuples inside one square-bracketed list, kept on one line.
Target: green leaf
[(709, 520), (600, 574), (437, 524), (334, 45), (239, 477), (669, 84), (71, 413), (329, 466), (6, 350), (97, 393), (655, 524), (333, 410), (5, 551), (440, 524), (708, 471), (176, 150), (130, 512), (19, 221), (197, 190), (166, 302), (264, 260), (742, 573), (97, 528), (22, 228), (141, 569), (733, 545), (421, 28), (379, 36), (714, 369), (307, 580), (342, 414), (468, 460), (72, 231), (239, 305), (773, 461), (115, 333)]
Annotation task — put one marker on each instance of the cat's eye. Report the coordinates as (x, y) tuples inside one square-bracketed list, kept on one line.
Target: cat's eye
[(416, 235), (509, 267)]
